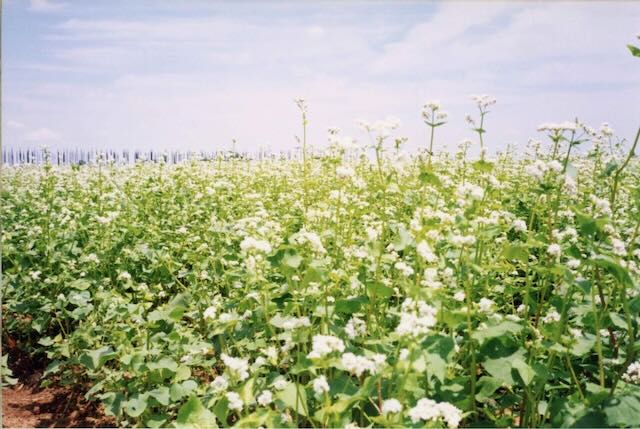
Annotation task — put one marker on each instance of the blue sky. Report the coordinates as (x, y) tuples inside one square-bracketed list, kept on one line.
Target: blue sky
[(196, 74)]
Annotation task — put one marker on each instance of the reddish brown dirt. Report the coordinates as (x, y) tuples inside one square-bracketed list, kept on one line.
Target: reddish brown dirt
[(28, 405), (24, 406)]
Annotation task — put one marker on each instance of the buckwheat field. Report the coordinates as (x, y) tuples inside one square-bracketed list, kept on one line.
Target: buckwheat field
[(356, 287)]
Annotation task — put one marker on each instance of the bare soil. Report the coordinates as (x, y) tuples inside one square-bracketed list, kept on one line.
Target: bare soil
[(28, 405)]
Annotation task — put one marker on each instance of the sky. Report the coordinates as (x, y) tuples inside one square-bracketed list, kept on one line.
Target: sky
[(193, 75)]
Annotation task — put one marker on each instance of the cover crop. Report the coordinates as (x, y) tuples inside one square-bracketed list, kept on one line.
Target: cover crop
[(339, 289)]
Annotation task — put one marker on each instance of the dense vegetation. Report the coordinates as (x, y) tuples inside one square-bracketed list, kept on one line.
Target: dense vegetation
[(342, 289)]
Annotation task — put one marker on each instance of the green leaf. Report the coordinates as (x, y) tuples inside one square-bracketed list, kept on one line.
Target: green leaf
[(136, 405), (288, 396), (623, 410), (160, 394), (610, 168), (634, 50), (182, 373), (156, 421), (352, 305), (427, 177), (571, 412), (516, 252), (526, 373), (164, 368), (193, 413), (618, 320), (486, 387), (221, 409), (379, 290), (612, 267), (583, 345), (113, 403), (189, 386), (246, 392), (80, 284), (502, 328), (438, 352), (94, 359), (176, 392), (501, 369), (483, 166), (586, 223)]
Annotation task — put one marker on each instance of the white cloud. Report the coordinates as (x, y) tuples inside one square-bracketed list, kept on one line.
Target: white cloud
[(15, 124), (197, 82), (315, 31), (42, 135), (46, 6)]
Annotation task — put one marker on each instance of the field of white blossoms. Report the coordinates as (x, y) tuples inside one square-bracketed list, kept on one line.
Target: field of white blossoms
[(338, 290)]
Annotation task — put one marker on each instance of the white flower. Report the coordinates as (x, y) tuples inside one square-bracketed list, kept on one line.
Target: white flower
[(573, 263), (320, 385), (552, 316), (486, 305), (355, 327), (554, 250), (536, 169), (459, 296), (619, 247), (425, 252), (357, 364), (404, 354), (391, 406), (379, 360), (286, 418), (519, 225), (238, 367), (124, 276), (210, 313), (345, 172), (425, 410), (605, 130), (92, 257), (417, 318), (296, 323), (325, 344), (405, 269), (463, 240), (271, 353), (250, 243), (483, 101), (305, 237), (632, 375), (471, 191), (228, 317), (235, 402), (429, 410), (265, 398), (432, 104), (557, 127), (280, 384), (219, 384), (576, 333), (450, 414), (554, 165)]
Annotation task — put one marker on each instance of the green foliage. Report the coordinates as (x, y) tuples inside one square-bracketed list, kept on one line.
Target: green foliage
[(279, 294)]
